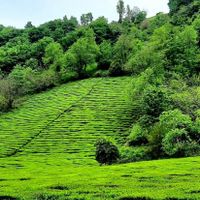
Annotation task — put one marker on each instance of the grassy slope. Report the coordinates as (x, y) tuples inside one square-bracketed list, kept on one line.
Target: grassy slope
[(49, 142)]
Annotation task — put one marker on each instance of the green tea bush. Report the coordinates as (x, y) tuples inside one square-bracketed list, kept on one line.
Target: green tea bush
[(106, 152), (44, 196)]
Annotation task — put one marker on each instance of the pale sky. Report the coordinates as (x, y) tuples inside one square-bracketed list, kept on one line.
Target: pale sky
[(17, 12)]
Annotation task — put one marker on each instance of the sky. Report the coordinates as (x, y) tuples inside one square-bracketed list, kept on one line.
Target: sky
[(18, 12)]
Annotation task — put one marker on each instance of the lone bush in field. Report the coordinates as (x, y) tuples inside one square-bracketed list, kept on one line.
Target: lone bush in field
[(106, 152)]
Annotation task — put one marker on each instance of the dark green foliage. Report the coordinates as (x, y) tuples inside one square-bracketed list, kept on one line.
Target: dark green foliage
[(81, 54), (155, 101), (179, 138), (8, 198), (8, 33), (101, 29), (38, 50), (106, 152), (115, 31), (8, 93), (178, 143), (16, 51), (28, 25), (105, 55), (138, 136), (183, 52), (121, 51), (174, 5), (134, 154), (35, 34), (43, 196), (196, 25), (185, 12), (142, 59), (69, 39)]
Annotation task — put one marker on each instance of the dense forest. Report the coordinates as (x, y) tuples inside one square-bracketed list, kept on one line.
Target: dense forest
[(162, 53)]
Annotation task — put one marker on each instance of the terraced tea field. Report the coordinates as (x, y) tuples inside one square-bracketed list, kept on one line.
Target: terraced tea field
[(67, 120), (47, 149)]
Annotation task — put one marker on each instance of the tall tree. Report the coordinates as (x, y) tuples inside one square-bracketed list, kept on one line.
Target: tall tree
[(138, 15), (29, 25), (121, 10), (129, 13), (86, 18)]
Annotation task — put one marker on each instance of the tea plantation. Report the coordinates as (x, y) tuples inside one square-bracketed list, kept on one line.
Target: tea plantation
[(47, 149)]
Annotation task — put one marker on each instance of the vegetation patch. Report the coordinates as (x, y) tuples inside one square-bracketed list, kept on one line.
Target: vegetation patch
[(59, 187), (135, 198), (8, 198)]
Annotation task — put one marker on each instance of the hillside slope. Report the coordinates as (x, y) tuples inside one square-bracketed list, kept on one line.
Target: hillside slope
[(67, 119), (47, 149)]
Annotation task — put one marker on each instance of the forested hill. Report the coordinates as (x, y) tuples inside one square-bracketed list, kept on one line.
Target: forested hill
[(108, 93), (161, 53)]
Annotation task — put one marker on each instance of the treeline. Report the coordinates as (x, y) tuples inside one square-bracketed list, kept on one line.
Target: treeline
[(34, 59)]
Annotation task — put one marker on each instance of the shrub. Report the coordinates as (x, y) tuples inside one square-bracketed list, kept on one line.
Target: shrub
[(155, 138), (141, 60), (45, 80), (180, 134), (101, 73), (68, 75), (129, 154), (8, 93), (106, 152), (173, 119), (23, 79), (105, 55), (155, 101), (90, 69), (178, 143), (3, 103), (44, 196), (115, 69), (137, 136)]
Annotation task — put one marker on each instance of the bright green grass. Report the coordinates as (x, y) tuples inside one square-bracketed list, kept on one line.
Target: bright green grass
[(27, 176), (47, 147)]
